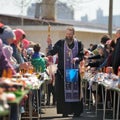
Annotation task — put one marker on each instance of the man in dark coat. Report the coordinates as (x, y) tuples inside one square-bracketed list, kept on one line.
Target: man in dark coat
[(116, 61), (116, 54), (68, 94)]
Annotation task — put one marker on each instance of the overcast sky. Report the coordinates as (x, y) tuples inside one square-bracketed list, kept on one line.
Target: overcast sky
[(82, 7)]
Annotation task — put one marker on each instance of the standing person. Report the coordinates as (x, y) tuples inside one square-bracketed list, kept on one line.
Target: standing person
[(37, 61), (116, 55), (8, 52), (70, 53), (4, 62), (39, 65), (20, 35), (6, 38), (116, 61), (90, 47)]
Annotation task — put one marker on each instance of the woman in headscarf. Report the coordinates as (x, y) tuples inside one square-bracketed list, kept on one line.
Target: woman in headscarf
[(13, 38), (7, 36), (8, 52), (20, 35), (4, 63)]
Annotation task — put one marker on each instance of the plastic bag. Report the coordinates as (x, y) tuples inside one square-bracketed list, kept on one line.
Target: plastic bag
[(71, 75)]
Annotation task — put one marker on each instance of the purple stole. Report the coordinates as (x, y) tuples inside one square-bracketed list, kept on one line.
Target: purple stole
[(71, 89)]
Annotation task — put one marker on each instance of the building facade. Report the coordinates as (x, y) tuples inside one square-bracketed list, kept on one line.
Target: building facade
[(37, 30)]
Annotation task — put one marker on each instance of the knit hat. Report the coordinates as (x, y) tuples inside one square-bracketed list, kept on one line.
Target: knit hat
[(30, 51), (7, 34)]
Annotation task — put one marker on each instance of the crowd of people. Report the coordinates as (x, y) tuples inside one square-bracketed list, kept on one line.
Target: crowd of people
[(105, 53), (102, 56), (97, 57), (18, 53)]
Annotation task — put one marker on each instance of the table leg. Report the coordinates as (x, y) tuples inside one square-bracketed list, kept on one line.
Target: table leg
[(18, 112), (114, 105), (104, 104), (118, 105), (30, 105), (96, 98), (85, 91), (90, 98), (38, 108)]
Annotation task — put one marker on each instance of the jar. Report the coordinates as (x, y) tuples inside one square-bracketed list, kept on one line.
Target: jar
[(109, 70)]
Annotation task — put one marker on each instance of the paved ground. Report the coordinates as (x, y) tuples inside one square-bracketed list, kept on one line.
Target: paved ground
[(88, 114), (50, 114)]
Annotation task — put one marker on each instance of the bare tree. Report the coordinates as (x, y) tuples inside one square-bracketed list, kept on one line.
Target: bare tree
[(75, 3), (22, 4)]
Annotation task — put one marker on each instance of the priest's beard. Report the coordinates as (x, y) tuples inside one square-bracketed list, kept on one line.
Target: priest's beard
[(69, 40)]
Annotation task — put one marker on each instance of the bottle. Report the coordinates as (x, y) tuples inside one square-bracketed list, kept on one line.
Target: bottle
[(82, 68), (9, 73), (109, 71), (4, 74)]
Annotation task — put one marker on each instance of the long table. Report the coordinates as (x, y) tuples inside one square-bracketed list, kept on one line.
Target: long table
[(116, 91), (17, 103), (106, 87), (38, 101)]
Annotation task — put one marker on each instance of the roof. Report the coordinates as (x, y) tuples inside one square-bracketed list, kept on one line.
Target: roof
[(88, 27), (79, 26), (17, 20)]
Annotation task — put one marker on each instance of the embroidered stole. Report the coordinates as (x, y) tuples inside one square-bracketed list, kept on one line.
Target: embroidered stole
[(71, 89)]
